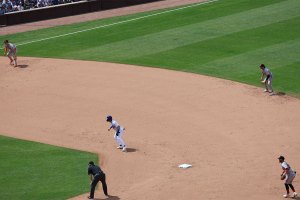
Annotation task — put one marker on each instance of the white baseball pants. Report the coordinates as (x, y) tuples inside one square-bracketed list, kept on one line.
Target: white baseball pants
[(118, 138)]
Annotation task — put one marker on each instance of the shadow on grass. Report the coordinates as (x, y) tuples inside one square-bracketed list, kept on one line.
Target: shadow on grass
[(280, 93)]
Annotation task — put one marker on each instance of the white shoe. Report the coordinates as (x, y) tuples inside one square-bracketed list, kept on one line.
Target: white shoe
[(124, 149), (295, 195), (265, 90), (286, 195)]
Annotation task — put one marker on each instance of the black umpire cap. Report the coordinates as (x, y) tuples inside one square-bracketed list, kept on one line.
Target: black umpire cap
[(91, 163)]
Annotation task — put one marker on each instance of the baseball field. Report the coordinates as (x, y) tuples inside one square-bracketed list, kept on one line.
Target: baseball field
[(183, 80)]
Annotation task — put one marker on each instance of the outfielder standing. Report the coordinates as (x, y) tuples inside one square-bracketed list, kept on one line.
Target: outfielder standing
[(118, 132), (266, 78), (10, 50), (288, 176)]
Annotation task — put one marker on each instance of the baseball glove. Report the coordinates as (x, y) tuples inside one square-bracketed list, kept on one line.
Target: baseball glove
[(282, 177)]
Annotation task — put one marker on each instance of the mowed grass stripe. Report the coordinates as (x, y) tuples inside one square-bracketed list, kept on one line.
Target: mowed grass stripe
[(288, 73), (125, 31), (286, 53), (54, 33), (112, 24), (214, 56), (186, 16), (32, 170), (184, 35)]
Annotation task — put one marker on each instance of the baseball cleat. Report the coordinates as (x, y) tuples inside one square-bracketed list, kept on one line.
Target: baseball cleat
[(90, 198), (120, 147), (124, 149), (295, 195), (286, 196)]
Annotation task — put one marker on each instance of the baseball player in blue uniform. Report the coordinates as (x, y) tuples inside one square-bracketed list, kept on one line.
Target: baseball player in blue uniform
[(119, 130)]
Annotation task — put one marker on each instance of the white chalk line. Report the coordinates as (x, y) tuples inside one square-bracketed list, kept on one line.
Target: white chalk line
[(117, 23)]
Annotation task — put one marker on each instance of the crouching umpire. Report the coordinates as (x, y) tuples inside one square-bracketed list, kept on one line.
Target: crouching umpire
[(96, 175)]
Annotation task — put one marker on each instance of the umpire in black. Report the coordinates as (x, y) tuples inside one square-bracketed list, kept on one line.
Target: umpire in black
[(96, 175)]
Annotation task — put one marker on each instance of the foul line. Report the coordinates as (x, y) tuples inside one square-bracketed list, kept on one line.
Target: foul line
[(116, 23)]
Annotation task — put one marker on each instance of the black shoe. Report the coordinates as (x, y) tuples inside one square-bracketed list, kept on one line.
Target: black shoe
[(90, 198)]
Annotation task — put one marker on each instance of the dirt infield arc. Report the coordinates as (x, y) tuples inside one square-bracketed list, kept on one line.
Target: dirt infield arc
[(231, 133)]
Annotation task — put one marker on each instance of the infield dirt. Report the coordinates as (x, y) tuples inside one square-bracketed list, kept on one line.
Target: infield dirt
[(231, 133)]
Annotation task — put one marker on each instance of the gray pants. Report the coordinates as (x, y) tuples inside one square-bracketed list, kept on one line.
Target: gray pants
[(268, 83), (289, 178)]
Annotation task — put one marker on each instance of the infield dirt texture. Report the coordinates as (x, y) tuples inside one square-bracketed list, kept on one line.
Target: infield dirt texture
[(231, 133)]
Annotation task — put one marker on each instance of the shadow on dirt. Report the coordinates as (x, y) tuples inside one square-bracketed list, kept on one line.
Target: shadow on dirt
[(131, 150), (109, 198), (22, 66)]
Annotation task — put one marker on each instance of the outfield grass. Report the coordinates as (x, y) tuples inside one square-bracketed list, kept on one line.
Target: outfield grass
[(32, 170), (226, 39)]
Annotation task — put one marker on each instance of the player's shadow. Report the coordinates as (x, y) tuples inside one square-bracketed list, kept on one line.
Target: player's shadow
[(131, 150), (280, 93), (109, 198), (22, 66)]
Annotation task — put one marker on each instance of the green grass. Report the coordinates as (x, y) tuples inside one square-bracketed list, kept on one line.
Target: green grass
[(226, 39), (32, 170)]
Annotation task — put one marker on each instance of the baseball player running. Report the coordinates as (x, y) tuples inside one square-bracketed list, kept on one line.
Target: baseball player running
[(266, 78), (288, 176), (119, 130), (10, 50)]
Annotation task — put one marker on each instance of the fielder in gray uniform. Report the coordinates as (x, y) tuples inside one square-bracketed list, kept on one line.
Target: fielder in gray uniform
[(10, 50), (288, 176), (266, 78)]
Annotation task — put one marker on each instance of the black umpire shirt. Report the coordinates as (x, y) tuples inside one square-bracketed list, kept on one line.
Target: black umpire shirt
[(94, 169)]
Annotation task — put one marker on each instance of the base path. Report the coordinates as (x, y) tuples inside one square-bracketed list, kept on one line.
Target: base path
[(95, 15), (231, 133)]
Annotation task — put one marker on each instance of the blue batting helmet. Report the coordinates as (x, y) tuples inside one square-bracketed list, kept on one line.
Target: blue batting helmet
[(109, 118)]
